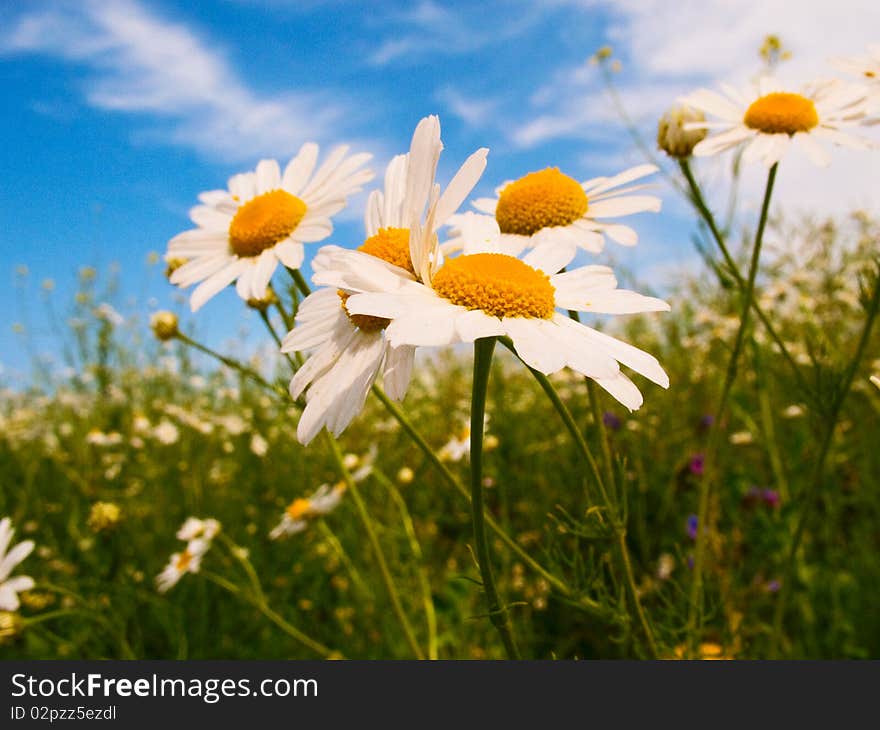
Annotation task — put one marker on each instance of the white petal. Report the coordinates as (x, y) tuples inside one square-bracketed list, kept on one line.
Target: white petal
[(623, 389), (460, 186), (216, 283), (633, 173), (533, 345), (397, 370), (550, 257), (476, 324), (300, 168), (268, 176), (290, 253)]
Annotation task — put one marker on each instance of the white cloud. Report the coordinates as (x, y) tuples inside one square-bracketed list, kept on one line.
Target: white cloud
[(431, 28), (475, 112), (141, 63)]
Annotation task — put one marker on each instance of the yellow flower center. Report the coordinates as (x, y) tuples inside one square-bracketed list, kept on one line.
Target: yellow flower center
[(299, 508), (539, 200), (264, 221), (183, 560), (499, 285), (391, 245), (781, 113)]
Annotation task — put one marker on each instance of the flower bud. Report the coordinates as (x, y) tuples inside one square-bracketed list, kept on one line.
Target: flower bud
[(164, 325), (672, 136)]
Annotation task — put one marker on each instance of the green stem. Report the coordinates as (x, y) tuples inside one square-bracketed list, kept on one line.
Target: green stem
[(424, 582), (300, 282), (455, 483), (618, 527), (498, 613), (367, 522), (809, 497), (275, 618), (695, 602), (599, 423), (229, 362), (699, 203)]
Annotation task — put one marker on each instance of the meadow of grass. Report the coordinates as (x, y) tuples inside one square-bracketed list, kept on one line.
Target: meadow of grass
[(163, 433)]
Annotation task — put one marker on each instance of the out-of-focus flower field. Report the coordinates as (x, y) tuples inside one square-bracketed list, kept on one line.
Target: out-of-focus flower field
[(102, 466)]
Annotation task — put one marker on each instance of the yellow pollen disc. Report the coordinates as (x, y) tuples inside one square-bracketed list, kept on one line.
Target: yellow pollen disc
[(298, 508), (539, 200), (499, 285), (363, 321), (781, 113), (183, 561), (391, 245), (264, 221)]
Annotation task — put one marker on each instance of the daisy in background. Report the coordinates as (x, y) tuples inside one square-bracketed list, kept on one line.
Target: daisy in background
[(263, 219), (325, 499), (548, 206), (349, 351), (194, 528), (302, 510), (486, 293), (9, 559), (867, 68), (189, 560), (198, 535), (767, 119)]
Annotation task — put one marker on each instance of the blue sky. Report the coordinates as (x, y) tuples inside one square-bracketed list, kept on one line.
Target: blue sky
[(117, 114)]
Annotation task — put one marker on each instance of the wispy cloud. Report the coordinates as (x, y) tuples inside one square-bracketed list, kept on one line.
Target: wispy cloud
[(473, 111), (431, 28), (140, 63)]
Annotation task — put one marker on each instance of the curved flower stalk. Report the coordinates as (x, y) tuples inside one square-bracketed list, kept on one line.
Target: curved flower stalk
[(349, 351), (264, 218), (768, 118), (10, 587), (548, 206), (484, 293)]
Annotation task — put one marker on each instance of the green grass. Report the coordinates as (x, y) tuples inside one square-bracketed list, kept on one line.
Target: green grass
[(95, 596)]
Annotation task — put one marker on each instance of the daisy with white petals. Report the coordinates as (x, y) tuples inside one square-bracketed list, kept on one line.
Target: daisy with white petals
[(486, 293), (767, 119), (263, 219), (189, 560), (349, 351), (548, 206), (302, 510), (194, 528), (9, 559)]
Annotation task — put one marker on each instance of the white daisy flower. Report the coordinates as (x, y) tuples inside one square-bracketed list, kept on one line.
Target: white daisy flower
[(457, 447), (548, 206), (187, 561), (9, 559), (264, 218), (303, 509), (349, 350), (194, 528), (485, 293), (768, 119)]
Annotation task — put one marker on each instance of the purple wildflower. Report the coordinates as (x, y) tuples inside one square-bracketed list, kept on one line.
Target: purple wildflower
[(692, 527), (611, 421)]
